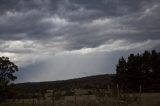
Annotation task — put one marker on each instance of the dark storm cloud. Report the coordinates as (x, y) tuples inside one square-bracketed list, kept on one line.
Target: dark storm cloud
[(21, 19), (23, 5), (110, 8)]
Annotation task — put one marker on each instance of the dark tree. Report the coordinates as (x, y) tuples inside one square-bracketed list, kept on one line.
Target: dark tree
[(121, 72), (139, 70), (7, 70), (155, 64)]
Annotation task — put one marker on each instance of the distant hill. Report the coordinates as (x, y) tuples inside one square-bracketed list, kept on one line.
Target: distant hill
[(85, 82)]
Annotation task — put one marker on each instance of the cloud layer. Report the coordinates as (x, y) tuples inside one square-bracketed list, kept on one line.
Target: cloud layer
[(36, 33)]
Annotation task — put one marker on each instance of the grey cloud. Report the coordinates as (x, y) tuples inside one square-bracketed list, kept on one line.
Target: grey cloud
[(23, 20), (88, 10), (23, 5), (28, 24)]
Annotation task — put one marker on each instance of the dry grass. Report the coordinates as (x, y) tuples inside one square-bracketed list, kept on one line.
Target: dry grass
[(146, 99)]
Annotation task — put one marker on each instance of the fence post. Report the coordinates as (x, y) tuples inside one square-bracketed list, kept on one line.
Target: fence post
[(140, 94), (75, 99), (23, 100), (140, 89), (33, 101), (53, 98), (118, 90)]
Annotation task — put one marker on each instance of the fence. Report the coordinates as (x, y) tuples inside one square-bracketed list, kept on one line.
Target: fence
[(97, 97)]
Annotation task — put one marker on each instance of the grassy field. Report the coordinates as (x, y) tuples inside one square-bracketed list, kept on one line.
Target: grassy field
[(89, 99), (150, 99)]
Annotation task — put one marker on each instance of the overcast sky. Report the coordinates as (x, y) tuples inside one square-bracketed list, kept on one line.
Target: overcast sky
[(63, 39)]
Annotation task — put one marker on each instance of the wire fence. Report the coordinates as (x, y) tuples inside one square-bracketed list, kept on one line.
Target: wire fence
[(97, 97)]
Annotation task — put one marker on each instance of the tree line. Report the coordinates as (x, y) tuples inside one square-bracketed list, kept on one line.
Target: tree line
[(140, 71)]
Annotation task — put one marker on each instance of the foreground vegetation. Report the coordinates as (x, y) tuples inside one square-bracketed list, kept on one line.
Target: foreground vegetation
[(89, 98)]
